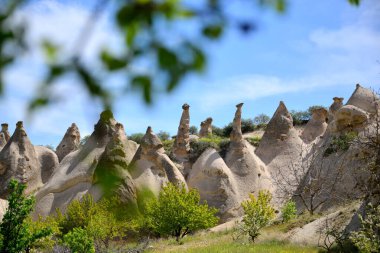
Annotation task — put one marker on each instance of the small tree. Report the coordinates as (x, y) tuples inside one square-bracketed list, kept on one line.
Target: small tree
[(16, 232), (367, 239), (289, 211), (136, 137), (258, 213), (178, 212), (261, 120)]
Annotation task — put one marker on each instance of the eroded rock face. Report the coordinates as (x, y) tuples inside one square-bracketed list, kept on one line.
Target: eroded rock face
[(19, 160), (216, 184), (113, 166), (4, 135), (364, 99), (69, 143), (350, 117), (181, 145), (151, 168), (206, 128), (334, 107), (316, 126), (74, 176), (48, 161)]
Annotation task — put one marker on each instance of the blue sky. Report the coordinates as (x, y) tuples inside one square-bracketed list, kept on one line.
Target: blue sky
[(315, 51)]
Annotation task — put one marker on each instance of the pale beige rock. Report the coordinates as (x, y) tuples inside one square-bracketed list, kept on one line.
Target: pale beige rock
[(316, 126), (216, 184), (181, 146), (280, 137), (48, 161), (74, 176), (206, 128), (364, 99), (69, 143), (3, 208), (350, 117), (19, 160), (4, 135), (151, 168), (334, 107)]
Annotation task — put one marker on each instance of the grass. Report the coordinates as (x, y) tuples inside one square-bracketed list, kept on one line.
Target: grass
[(223, 242)]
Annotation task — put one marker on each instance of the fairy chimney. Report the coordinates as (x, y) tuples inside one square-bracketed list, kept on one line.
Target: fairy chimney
[(206, 128)]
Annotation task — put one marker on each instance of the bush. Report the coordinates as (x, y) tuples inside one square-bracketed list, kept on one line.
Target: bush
[(193, 130), (223, 147), (15, 230), (79, 241), (367, 239), (136, 137), (168, 146), (258, 213), (254, 141), (289, 211), (300, 117), (340, 143), (178, 212), (246, 127)]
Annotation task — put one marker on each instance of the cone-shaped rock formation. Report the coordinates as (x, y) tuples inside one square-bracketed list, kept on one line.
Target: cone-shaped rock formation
[(364, 99), (19, 160), (151, 168), (69, 143), (334, 107), (75, 175)]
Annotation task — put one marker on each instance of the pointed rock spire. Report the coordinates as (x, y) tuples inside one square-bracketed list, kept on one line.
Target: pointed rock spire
[(279, 135), (236, 135), (181, 145), (150, 142), (364, 99), (69, 143), (19, 160), (206, 127)]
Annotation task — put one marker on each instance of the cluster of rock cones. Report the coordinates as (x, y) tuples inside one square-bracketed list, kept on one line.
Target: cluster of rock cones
[(57, 178)]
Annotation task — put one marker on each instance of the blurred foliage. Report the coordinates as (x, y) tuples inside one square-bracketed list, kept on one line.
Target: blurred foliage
[(261, 120), (254, 141), (144, 25)]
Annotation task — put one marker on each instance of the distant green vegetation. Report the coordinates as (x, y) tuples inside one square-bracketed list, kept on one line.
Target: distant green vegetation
[(254, 141)]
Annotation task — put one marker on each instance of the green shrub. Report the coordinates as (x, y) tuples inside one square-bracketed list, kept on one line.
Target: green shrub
[(246, 127), (16, 232), (79, 241), (289, 211), (136, 137), (300, 117), (168, 146), (258, 213), (340, 143), (254, 141), (223, 147), (367, 239), (178, 212)]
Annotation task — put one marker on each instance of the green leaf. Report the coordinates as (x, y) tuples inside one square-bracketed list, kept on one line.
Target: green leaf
[(50, 50), (166, 58), (213, 31), (111, 62), (92, 84), (354, 2), (38, 102), (131, 32), (55, 71), (199, 59), (144, 83)]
